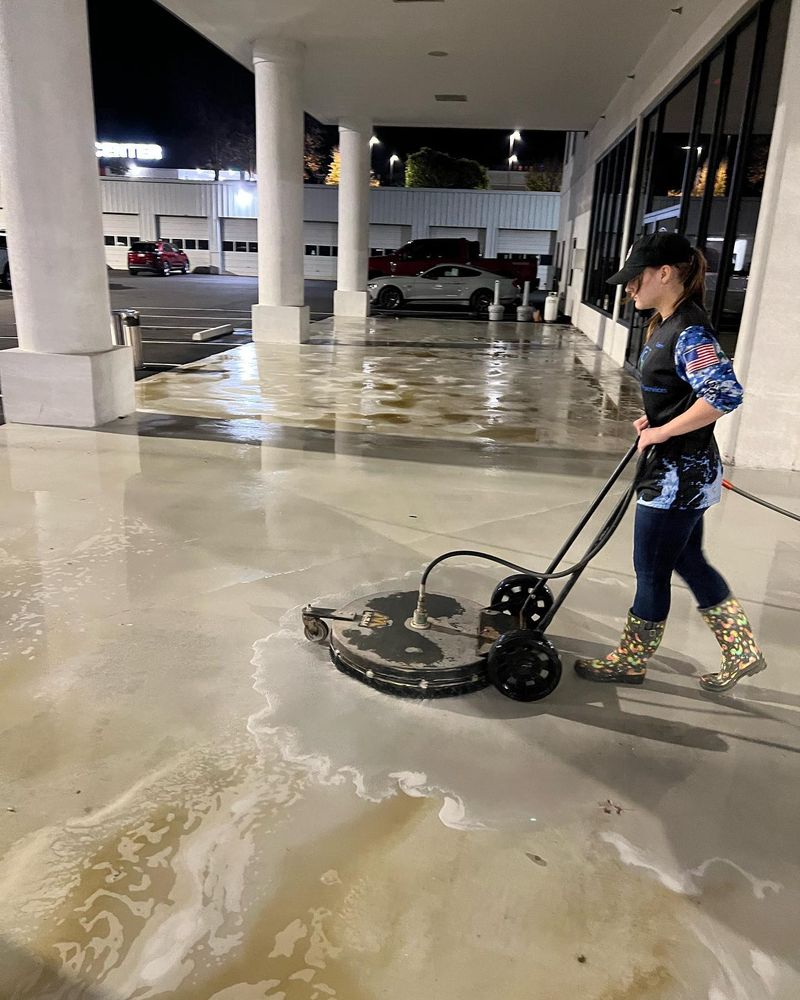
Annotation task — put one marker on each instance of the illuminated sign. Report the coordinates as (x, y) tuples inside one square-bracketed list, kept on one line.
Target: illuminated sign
[(128, 151)]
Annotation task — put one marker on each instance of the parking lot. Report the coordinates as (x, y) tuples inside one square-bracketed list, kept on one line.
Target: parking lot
[(172, 309)]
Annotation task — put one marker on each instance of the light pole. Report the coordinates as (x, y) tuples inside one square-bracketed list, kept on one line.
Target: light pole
[(373, 142), (512, 158), (394, 158)]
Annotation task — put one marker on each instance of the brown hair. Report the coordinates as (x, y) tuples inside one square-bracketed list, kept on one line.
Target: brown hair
[(693, 278)]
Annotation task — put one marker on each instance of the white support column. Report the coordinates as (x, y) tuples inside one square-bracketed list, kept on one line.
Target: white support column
[(280, 316), (350, 298), (66, 371), (765, 431)]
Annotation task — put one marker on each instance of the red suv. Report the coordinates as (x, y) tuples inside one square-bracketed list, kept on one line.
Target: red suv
[(161, 257)]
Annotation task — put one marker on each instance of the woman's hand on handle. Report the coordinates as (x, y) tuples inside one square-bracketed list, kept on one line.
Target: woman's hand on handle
[(641, 424), (653, 435)]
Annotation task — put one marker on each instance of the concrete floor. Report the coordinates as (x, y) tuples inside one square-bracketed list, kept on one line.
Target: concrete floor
[(194, 804)]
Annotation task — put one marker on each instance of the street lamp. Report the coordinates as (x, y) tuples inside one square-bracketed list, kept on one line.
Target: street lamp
[(394, 158), (514, 137), (374, 141)]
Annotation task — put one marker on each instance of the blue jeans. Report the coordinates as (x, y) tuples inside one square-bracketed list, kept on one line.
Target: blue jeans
[(667, 541)]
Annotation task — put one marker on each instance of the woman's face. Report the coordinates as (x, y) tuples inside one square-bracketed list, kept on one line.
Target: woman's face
[(646, 289)]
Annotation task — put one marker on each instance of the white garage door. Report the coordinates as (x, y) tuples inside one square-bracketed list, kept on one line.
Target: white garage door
[(119, 231), (240, 246), (189, 233), (385, 239), (456, 232), (321, 249), (527, 241)]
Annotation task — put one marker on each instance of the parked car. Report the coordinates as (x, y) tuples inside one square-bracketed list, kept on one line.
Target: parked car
[(161, 257), (418, 255), (458, 284), (5, 267)]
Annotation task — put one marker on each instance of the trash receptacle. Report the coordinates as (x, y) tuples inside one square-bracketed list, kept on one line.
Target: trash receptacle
[(551, 307), (127, 332)]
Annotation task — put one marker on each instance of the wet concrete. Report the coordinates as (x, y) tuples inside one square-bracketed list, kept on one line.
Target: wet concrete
[(195, 804)]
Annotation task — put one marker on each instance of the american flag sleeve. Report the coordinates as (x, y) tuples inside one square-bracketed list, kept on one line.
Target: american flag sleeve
[(700, 361)]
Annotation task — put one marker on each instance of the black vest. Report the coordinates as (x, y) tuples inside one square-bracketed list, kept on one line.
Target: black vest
[(666, 395), (692, 460)]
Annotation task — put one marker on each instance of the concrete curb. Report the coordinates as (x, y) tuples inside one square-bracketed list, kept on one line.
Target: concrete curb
[(212, 332)]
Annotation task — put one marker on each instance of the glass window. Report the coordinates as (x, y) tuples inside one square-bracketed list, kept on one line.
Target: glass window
[(190, 244), (109, 241), (228, 246), (241, 246), (612, 180), (334, 251), (177, 244), (143, 247), (376, 252), (727, 135), (311, 250), (324, 251), (546, 259), (122, 241), (202, 244)]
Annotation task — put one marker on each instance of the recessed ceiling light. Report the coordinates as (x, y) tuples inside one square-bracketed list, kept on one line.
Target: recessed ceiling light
[(418, 1), (438, 52), (451, 97)]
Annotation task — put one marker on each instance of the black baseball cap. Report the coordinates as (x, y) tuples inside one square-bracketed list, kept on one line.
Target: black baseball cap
[(653, 251)]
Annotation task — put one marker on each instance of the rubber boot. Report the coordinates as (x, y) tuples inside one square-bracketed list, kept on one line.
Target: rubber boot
[(626, 663), (740, 654)]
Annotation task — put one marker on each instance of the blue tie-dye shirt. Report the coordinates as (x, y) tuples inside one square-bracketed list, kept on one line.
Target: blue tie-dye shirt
[(690, 477)]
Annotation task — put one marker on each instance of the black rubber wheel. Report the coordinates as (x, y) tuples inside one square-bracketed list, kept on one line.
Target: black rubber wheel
[(481, 300), (185, 269), (132, 271), (316, 630), (514, 596), (165, 271), (524, 666), (390, 298)]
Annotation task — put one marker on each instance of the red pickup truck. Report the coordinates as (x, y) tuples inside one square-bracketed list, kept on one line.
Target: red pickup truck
[(419, 255)]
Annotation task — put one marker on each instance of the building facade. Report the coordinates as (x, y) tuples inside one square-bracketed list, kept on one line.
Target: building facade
[(703, 141)]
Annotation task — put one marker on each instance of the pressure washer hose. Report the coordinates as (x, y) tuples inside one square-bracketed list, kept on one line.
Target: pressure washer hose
[(749, 496), (604, 536)]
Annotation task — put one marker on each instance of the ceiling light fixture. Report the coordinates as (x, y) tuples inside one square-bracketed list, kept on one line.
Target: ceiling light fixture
[(439, 53), (451, 97)]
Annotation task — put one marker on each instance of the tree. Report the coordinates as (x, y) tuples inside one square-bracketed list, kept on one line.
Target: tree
[(316, 152), (224, 143), (335, 170), (433, 169), (544, 176)]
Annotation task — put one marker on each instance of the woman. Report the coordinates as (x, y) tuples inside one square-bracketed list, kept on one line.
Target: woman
[(687, 385)]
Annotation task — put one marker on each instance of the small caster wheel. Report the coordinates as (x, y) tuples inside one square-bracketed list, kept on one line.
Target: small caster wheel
[(524, 666), (523, 597), (315, 630)]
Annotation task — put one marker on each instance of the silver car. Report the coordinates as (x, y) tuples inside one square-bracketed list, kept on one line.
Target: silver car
[(461, 284)]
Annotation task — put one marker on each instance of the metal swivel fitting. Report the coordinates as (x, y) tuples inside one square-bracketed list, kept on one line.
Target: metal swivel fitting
[(420, 619)]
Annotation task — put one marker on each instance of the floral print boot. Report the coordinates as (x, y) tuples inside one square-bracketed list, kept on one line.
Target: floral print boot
[(740, 654), (626, 663)]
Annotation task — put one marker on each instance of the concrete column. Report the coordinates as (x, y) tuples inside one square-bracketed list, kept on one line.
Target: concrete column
[(765, 431), (280, 315), (66, 371), (350, 298)]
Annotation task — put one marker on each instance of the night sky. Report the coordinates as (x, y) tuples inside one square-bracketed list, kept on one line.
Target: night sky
[(152, 73)]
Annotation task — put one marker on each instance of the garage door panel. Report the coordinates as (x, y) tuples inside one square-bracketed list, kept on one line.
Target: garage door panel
[(459, 232), (535, 241), (386, 239), (190, 234), (320, 250), (119, 231), (240, 246)]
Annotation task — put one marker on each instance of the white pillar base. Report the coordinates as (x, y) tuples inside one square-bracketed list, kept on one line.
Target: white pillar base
[(281, 324), (67, 390), (355, 304)]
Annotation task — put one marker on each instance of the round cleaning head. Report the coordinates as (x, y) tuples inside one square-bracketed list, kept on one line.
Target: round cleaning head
[(382, 649)]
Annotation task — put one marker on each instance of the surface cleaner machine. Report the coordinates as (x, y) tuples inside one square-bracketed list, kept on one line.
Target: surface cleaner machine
[(423, 644), (420, 644)]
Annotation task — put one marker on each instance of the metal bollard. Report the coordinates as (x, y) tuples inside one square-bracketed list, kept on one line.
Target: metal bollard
[(126, 332), (524, 311)]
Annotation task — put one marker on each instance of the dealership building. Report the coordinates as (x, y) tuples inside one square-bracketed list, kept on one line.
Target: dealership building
[(688, 122)]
